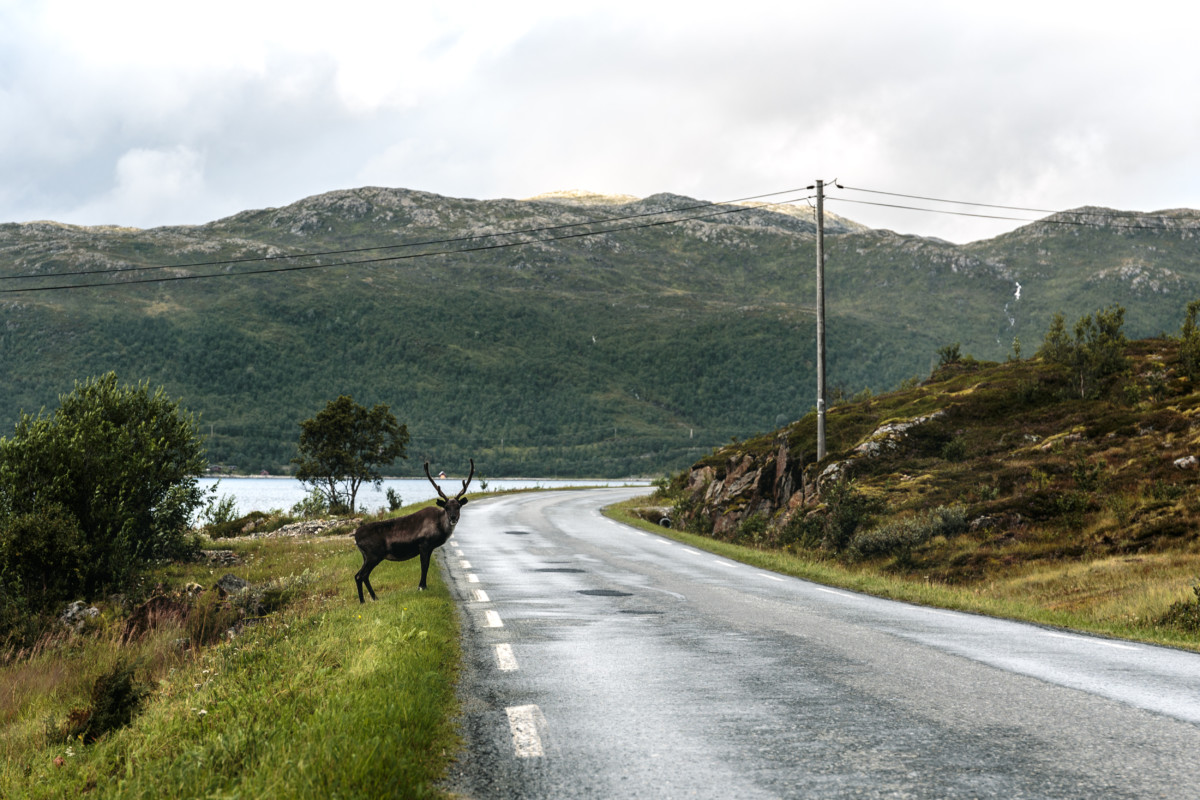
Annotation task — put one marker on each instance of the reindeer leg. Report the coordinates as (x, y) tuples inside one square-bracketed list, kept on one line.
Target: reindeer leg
[(425, 554), (363, 576)]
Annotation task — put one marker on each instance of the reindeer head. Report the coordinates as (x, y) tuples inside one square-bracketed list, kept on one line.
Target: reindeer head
[(452, 505)]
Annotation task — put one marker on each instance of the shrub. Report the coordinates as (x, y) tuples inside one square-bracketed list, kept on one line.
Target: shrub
[(846, 509), (314, 504), (116, 697), (43, 558), (1189, 343), (753, 529), (950, 354), (901, 536), (955, 449), (121, 462), (1184, 614)]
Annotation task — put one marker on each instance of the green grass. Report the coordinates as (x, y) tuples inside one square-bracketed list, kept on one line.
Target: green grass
[(1121, 598), (324, 698)]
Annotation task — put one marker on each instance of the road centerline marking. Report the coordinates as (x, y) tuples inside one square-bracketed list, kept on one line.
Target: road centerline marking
[(524, 722), (505, 659)]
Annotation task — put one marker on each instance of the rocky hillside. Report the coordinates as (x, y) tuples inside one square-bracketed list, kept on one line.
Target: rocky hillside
[(981, 466)]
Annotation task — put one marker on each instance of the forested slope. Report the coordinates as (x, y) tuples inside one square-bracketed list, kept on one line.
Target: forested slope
[(622, 352)]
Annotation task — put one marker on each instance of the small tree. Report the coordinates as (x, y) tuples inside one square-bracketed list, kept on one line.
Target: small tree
[(1189, 343), (346, 444), (1097, 351), (1056, 345)]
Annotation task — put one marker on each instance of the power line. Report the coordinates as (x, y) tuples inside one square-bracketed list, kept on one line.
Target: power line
[(426, 243), (1043, 220), (1057, 212), (361, 262)]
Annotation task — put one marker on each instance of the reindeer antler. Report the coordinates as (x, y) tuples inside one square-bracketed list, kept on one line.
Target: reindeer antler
[(431, 480), (467, 481)]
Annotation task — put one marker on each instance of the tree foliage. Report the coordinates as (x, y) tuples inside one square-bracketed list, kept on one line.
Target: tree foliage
[(1189, 343), (95, 490), (346, 444), (1097, 351)]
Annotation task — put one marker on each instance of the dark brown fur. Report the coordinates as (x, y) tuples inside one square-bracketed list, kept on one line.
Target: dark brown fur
[(402, 538)]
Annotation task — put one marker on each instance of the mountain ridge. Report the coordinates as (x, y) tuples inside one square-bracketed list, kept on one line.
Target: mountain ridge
[(626, 351)]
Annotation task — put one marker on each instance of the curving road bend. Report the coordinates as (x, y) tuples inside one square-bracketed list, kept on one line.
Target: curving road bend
[(605, 662)]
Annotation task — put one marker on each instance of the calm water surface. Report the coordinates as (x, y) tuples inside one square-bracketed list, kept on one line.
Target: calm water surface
[(269, 494)]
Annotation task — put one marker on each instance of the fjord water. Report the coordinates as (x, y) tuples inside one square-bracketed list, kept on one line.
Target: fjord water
[(272, 493)]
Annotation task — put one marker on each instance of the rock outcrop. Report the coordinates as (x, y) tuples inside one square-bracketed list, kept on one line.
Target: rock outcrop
[(776, 483)]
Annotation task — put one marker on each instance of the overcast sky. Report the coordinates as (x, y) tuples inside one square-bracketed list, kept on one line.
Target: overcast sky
[(152, 113)]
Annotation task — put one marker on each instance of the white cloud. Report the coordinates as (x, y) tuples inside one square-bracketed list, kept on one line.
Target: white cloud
[(1050, 105), (145, 183)]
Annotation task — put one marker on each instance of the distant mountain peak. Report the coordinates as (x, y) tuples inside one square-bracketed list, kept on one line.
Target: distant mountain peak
[(585, 197)]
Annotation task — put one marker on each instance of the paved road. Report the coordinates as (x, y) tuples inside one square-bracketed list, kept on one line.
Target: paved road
[(604, 662)]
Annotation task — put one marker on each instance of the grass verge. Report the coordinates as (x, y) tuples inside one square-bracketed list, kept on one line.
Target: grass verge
[(321, 698), (1038, 596)]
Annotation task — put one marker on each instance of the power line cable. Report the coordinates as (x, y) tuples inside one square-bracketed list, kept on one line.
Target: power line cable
[(403, 257), (426, 243), (1105, 214), (1043, 220)]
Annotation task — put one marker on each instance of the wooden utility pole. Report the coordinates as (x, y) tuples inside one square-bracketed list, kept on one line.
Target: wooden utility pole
[(820, 320)]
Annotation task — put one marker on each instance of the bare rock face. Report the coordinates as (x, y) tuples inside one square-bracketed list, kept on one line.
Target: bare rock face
[(776, 483)]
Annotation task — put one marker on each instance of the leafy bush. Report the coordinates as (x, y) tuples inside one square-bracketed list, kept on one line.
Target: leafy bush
[(1189, 343), (1184, 614), (314, 504), (43, 557), (218, 512), (901, 536), (846, 510), (753, 529), (116, 464), (802, 531), (395, 502)]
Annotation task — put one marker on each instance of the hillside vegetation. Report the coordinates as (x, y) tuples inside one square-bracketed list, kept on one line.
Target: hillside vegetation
[(631, 351), (998, 480)]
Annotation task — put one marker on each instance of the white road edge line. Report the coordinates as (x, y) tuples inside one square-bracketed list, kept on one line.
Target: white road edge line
[(481, 596), (493, 620), (725, 564), (1093, 641), (464, 564), (832, 591), (472, 577), (524, 722), (772, 577), (505, 659)]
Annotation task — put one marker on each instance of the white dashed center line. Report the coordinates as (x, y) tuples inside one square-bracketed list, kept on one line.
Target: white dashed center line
[(772, 577), (505, 659), (525, 721)]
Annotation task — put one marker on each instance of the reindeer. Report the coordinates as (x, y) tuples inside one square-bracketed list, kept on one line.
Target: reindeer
[(402, 538)]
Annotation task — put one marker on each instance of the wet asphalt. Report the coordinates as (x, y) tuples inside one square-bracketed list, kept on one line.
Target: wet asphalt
[(605, 662)]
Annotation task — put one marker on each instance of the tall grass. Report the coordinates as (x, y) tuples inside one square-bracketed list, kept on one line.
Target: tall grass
[(321, 698)]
